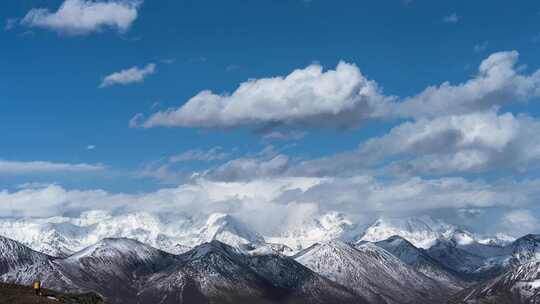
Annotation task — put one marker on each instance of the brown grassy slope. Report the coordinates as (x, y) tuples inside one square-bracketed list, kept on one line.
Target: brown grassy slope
[(17, 294)]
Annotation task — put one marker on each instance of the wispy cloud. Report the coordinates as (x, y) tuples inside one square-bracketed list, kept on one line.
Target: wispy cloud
[(80, 17), (215, 153), (128, 76), (283, 135), (480, 47), (168, 60), (10, 24), (536, 38), (31, 167), (452, 18), (232, 67)]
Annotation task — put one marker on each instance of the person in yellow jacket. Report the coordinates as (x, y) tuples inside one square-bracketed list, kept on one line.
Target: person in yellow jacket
[(37, 287)]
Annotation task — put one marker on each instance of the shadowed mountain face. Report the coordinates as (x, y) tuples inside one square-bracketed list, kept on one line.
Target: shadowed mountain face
[(391, 271), (420, 260), (127, 271), (373, 272), (519, 284)]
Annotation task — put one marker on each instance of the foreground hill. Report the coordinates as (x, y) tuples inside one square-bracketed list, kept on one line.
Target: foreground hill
[(19, 294)]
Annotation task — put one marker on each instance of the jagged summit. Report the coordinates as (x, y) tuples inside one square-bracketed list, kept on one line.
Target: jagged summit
[(425, 232)]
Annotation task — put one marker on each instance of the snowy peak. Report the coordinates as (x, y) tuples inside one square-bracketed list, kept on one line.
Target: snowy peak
[(206, 249), (425, 232), (401, 248), (227, 229), (422, 231), (224, 274), (123, 252)]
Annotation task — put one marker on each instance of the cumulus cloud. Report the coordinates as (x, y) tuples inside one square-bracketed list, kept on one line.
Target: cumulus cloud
[(80, 17), (472, 142), (476, 142), (344, 98), (497, 83), (18, 167), (339, 98), (128, 76)]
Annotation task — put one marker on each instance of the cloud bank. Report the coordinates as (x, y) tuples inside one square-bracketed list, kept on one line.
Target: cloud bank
[(280, 199)]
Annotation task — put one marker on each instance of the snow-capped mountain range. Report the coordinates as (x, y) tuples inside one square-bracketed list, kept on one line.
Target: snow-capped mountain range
[(62, 236), (144, 258)]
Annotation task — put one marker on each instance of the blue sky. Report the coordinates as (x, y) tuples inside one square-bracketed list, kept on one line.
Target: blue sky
[(58, 108)]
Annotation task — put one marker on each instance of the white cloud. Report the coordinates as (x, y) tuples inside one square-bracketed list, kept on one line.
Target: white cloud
[(336, 98), (470, 142), (364, 194), (519, 222), (498, 83), (199, 197), (80, 17), (344, 98), (474, 142), (281, 200), (18, 167), (215, 153), (452, 18), (90, 147), (131, 75)]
